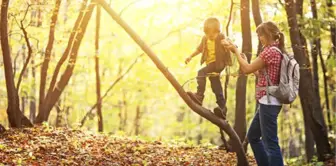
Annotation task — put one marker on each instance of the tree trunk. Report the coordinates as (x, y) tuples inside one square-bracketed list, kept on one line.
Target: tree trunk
[(42, 112), (315, 51), (55, 91), (326, 91), (257, 19), (137, 120), (240, 115), (125, 107), (314, 117), (47, 55), (99, 102), (242, 160), (309, 143), (15, 116), (121, 108), (332, 25), (32, 108)]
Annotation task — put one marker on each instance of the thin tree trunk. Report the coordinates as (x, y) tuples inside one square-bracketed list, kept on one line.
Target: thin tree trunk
[(125, 106), (26, 61), (32, 108), (332, 25), (15, 116), (120, 114), (315, 51), (310, 142), (326, 95), (242, 160), (45, 64), (39, 14), (61, 61), (56, 91), (109, 89), (137, 120), (99, 102), (257, 19), (227, 79), (306, 95), (240, 115), (200, 133)]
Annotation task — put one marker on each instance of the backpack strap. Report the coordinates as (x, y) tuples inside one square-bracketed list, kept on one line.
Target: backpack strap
[(269, 82), (267, 86)]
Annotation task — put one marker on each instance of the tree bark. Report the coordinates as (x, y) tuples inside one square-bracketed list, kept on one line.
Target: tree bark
[(306, 95), (137, 120), (242, 160), (47, 55), (332, 25), (32, 105), (240, 115), (310, 142), (99, 102), (15, 116), (257, 19), (53, 97), (61, 61), (315, 51)]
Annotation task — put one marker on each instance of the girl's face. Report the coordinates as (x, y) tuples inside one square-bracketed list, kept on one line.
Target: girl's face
[(262, 39)]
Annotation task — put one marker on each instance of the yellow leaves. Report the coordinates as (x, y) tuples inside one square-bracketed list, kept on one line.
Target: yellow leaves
[(60, 146)]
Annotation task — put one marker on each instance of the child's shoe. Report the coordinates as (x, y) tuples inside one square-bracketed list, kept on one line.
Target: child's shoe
[(196, 97)]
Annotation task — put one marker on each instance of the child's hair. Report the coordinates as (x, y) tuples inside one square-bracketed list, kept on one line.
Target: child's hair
[(271, 31), (211, 24)]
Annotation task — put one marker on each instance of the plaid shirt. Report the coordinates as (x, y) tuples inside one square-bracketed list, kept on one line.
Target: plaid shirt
[(272, 59)]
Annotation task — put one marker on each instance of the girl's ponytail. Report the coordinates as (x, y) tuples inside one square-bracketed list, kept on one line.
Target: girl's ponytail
[(282, 42)]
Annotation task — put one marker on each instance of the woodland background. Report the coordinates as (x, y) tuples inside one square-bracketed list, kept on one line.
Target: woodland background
[(135, 98)]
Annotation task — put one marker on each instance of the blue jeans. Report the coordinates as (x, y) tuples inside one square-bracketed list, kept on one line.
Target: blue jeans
[(216, 85), (266, 150)]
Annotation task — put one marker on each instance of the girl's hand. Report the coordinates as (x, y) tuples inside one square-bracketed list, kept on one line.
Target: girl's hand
[(243, 56)]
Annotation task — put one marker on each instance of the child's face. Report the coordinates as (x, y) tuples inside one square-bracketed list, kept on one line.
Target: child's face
[(212, 35)]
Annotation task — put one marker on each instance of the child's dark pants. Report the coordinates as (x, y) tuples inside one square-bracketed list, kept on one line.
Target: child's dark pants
[(216, 85)]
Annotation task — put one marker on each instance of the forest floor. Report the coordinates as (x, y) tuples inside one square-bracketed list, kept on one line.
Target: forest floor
[(44, 145)]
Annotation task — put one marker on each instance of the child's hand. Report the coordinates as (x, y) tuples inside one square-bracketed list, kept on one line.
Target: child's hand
[(229, 45), (187, 60)]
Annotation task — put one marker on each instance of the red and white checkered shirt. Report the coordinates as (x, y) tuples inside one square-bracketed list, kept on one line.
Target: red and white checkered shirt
[(272, 59)]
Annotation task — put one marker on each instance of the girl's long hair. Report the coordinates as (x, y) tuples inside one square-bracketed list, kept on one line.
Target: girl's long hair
[(271, 31)]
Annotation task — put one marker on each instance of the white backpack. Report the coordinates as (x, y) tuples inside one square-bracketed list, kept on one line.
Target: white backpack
[(288, 87)]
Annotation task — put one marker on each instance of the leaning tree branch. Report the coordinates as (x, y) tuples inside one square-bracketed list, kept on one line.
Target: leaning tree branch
[(130, 67), (242, 160)]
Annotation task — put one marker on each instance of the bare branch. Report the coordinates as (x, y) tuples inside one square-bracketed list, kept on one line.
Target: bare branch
[(129, 68), (230, 17), (30, 51), (110, 88), (127, 6)]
